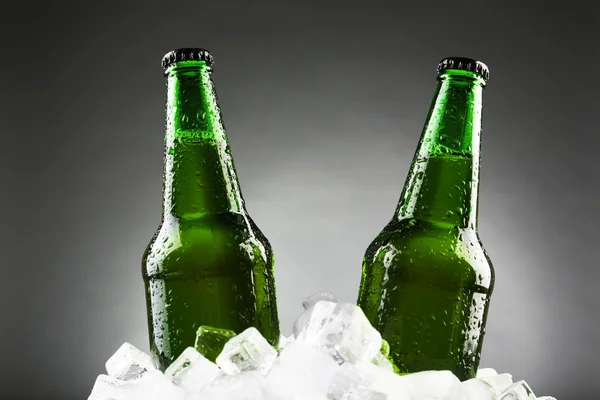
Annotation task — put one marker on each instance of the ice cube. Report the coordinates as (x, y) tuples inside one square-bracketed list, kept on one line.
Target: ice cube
[(308, 304), (303, 370), (486, 373), (248, 351), (498, 382), (129, 363), (315, 298), (342, 330), (546, 398), (192, 371), (247, 385), (385, 348), (478, 390), (210, 341), (300, 323), (517, 391), (352, 384), (303, 320), (435, 385)]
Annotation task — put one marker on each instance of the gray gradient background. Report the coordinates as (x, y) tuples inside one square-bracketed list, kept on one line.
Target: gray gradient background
[(324, 105)]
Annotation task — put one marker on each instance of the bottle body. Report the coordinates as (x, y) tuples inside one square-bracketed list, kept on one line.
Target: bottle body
[(427, 280), (208, 263), (426, 289), (215, 271)]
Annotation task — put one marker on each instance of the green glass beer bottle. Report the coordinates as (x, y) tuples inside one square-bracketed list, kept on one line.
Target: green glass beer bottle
[(426, 279), (208, 263)]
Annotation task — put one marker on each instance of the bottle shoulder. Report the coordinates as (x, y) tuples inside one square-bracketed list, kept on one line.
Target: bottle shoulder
[(411, 230), (416, 245), (223, 241)]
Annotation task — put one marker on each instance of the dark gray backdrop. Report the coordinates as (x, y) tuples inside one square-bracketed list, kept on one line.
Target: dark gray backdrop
[(324, 105)]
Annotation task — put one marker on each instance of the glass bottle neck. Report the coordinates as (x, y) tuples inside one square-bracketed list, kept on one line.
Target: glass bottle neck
[(443, 183), (199, 174)]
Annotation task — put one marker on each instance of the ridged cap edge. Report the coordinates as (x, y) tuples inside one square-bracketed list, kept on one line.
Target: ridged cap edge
[(187, 54), (465, 64)]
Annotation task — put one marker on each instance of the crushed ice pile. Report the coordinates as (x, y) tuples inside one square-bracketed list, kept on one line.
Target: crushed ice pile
[(333, 354)]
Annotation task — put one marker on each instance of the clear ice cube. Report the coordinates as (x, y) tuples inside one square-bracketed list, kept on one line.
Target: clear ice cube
[(315, 298), (342, 330), (129, 363), (210, 341), (304, 318), (385, 348), (192, 371), (248, 351), (517, 391)]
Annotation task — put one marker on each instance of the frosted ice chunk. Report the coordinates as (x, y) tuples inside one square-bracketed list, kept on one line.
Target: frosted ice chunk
[(351, 383), (152, 385), (385, 382), (248, 351), (486, 373), (435, 385), (478, 390), (517, 391), (128, 363), (192, 371), (303, 370), (210, 341), (315, 298), (247, 385), (106, 387), (310, 396), (342, 330), (498, 382), (284, 342), (156, 386)]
